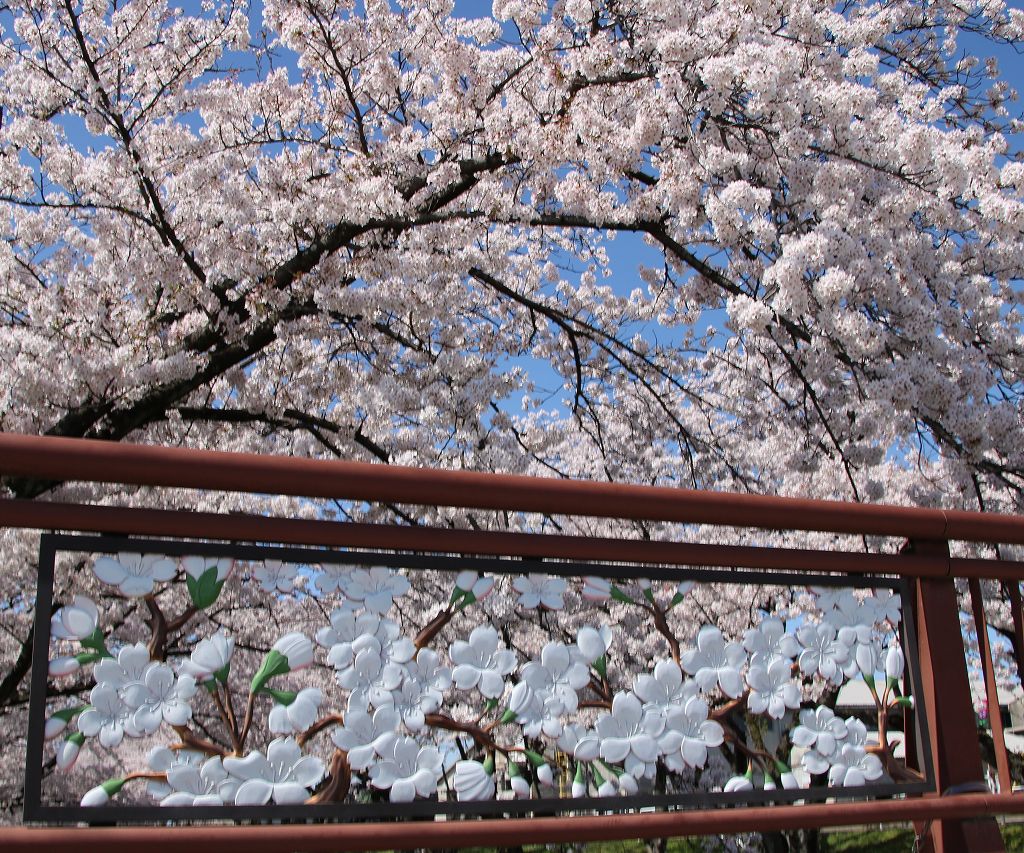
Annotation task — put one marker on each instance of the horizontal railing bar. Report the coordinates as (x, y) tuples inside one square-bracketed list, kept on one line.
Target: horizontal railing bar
[(291, 531), (51, 458), (506, 832)]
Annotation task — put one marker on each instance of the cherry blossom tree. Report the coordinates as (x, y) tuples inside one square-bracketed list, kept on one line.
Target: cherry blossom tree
[(383, 231)]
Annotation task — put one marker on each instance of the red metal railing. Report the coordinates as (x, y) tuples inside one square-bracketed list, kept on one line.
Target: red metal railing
[(946, 700)]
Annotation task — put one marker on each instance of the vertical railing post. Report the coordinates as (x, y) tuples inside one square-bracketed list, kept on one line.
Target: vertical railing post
[(946, 701)]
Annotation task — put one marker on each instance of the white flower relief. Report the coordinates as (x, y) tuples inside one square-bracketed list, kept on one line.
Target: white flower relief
[(347, 626), (298, 715), (75, 621), (769, 641), (160, 759), (665, 689), (540, 591), (579, 742), (473, 781), (107, 717), (376, 588), (421, 691), (688, 734), (887, 606), (824, 653), (275, 576), (364, 735), (205, 785), (127, 668), (821, 730), (408, 770), (369, 667), (284, 775), (555, 678), (853, 766), (159, 697), (629, 734), (209, 658), (715, 662), (196, 567), (772, 689), (481, 663), (134, 575), (332, 578)]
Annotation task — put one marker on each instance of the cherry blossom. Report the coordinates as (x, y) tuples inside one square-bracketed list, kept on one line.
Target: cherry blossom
[(369, 668), (408, 770), (593, 643), (159, 697), (579, 741), (823, 653), (540, 591), (688, 734), (206, 785), (134, 575), (715, 662), (769, 641), (596, 589), (819, 729), (481, 663), (332, 578), (375, 588), (665, 689), (555, 678), (160, 759), (126, 669), (629, 734), (853, 766), (421, 692), (772, 689), (276, 576), (108, 717), (283, 775), (365, 735)]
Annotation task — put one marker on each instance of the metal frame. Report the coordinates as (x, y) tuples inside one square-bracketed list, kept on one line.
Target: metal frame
[(929, 565), (51, 544)]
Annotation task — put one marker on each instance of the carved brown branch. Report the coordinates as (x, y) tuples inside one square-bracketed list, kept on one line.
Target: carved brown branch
[(340, 779), (482, 738), (433, 627), (190, 740), (319, 726)]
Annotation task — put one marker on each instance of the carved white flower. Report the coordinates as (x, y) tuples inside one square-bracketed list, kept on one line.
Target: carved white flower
[(75, 621), (127, 668), (824, 653), (556, 677), (159, 697), (473, 781), (580, 742), (107, 717), (275, 576), (853, 766), (332, 578), (196, 567), (826, 597), (664, 689), (210, 658), (820, 729), (298, 714), (160, 759), (134, 574), (769, 641), (688, 734), (540, 591), (364, 735), (772, 689), (408, 770), (629, 734), (481, 663), (284, 775), (421, 691), (207, 785), (377, 588), (715, 662), (371, 667), (887, 605)]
